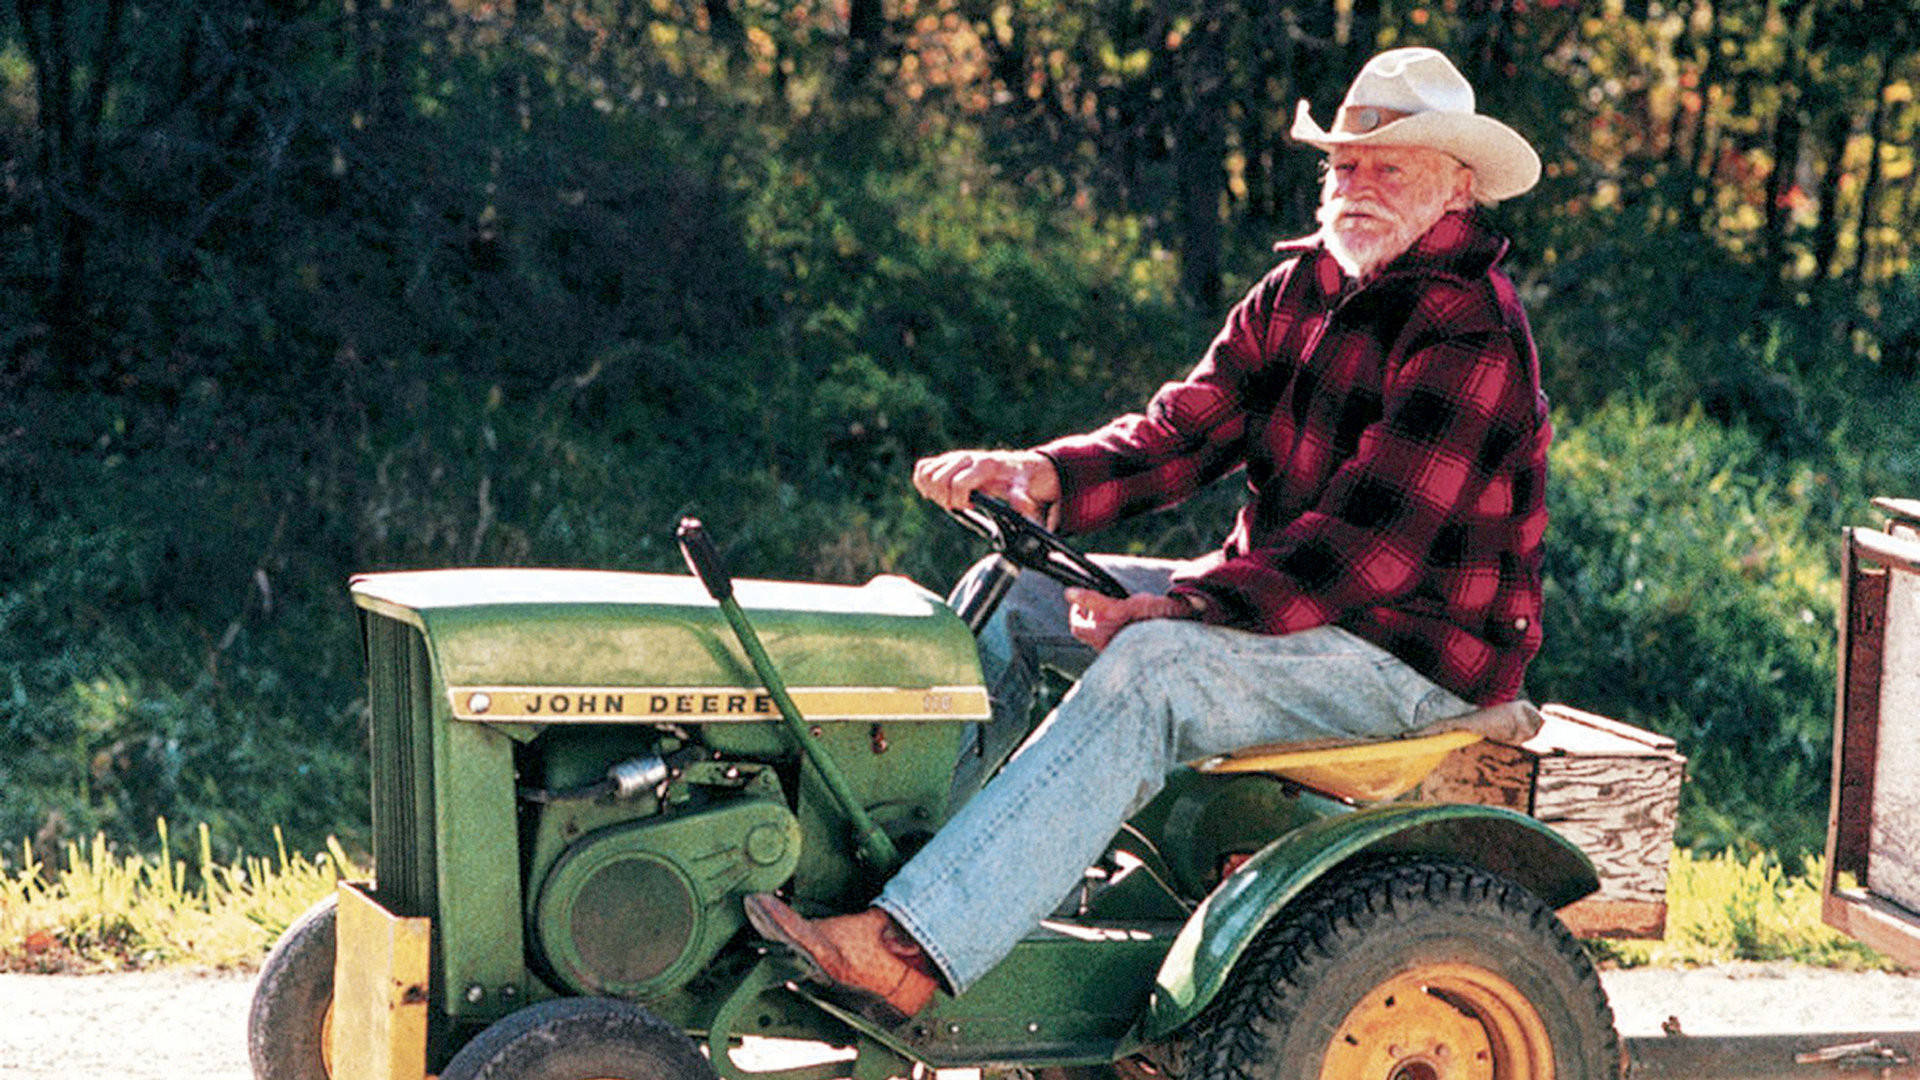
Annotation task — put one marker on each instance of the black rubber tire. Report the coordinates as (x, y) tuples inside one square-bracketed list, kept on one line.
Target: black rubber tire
[(290, 1000), (580, 1039), (1290, 996)]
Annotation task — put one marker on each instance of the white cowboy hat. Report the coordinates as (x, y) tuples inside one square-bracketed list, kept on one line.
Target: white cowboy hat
[(1416, 97)]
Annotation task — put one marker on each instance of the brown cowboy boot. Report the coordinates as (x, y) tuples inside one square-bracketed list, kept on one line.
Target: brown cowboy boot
[(872, 963)]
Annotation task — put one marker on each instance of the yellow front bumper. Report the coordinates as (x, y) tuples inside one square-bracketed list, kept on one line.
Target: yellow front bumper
[(380, 979)]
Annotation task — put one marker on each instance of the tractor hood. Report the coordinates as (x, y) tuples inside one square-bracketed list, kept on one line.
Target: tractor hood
[(588, 646)]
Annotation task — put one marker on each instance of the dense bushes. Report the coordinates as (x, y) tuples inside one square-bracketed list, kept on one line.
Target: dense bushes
[(1688, 592), (496, 370), (172, 642)]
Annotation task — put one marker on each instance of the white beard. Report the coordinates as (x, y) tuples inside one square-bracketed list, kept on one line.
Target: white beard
[(1358, 261), (1361, 252)]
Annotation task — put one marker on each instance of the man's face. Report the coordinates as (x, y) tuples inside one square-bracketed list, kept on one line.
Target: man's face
[(1378, 200)]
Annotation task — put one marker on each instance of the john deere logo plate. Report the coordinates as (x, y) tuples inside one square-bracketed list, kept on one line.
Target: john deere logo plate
[(609, 705)]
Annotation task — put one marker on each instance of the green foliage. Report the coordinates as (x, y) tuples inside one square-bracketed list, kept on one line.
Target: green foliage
[(1684, 592), (1691, 587), (161, 653), (299, 291), (510, 323)]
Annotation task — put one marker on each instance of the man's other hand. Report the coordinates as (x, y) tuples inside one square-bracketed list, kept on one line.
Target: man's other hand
[(1095, 617), (1023, 478)]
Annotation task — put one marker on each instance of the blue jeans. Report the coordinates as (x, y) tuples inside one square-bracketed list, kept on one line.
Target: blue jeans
[(1163, 692)]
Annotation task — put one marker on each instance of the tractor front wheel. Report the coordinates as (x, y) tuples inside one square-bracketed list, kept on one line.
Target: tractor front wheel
[(580, 1039), (1412, 971), (288, 1024)]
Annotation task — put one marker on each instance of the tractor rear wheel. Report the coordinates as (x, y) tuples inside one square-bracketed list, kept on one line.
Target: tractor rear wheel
[(580, 1039), (1416, 970), (292, 1012)]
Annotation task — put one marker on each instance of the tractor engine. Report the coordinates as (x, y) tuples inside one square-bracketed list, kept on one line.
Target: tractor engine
[(577, 776), (635, 879)]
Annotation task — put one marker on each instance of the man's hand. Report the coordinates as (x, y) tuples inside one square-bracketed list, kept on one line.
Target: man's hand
[(1023, 478), (1095, 617)]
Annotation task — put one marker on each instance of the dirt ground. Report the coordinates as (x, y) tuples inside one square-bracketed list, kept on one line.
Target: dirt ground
[(185, 1026)]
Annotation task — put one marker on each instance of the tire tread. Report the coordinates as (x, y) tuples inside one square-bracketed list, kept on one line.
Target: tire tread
[(1233, 1039), (290, 996), (533, 1043)]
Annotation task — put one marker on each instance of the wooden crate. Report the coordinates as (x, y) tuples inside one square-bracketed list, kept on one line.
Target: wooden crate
[(1873, 824), (1612, 788)]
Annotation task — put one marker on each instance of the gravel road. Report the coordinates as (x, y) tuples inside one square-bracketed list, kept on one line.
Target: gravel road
[(184, 1026)]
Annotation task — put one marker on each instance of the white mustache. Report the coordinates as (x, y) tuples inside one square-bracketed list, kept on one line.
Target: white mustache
[(1331, 210)]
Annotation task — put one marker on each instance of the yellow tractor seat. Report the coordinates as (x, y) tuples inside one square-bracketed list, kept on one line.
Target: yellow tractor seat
[(1376, 770)]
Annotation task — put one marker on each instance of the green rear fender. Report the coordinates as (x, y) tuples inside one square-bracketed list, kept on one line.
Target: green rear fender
[(1492, 838)]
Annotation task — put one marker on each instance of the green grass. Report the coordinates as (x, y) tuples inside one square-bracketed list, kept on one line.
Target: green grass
[(110, 912)]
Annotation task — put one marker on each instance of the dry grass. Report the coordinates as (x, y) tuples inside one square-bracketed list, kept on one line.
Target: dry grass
[(104, 911), (109, 912)]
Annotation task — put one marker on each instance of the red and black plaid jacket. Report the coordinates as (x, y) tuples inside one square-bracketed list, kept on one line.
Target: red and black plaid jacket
[(1395, 441)]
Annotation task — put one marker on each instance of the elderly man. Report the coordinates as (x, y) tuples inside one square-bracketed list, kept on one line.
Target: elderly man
[(1381, 390)]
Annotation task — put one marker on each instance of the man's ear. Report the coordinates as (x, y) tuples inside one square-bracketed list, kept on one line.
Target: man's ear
[(1462, 196)]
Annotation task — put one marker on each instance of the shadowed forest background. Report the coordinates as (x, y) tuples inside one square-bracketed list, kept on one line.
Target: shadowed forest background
[(299, 288)]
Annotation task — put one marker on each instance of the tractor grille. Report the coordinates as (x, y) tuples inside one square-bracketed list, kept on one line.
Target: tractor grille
[(400, 699)]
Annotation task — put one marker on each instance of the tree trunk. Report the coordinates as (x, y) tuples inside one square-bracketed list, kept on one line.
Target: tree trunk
[(725, 27), (392, 30), (68, 159), (1320, 75), (1199, 153), (1255, 145), (1870, 191), (1364, 33), (1826, 233), (1910, 200), (1197, 163), (1683, 56), (365, 65), (1786, 162), (1696, 193), (1489, 48), (66, 235), (866, 34)]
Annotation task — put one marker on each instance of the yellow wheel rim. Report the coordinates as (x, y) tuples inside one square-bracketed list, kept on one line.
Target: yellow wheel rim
[(1441, 1022)]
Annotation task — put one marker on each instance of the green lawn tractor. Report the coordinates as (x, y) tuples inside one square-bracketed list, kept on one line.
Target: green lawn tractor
[(578, 775)]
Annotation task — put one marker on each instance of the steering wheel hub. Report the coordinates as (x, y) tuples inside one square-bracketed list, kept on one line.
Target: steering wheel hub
[(1031, 545)]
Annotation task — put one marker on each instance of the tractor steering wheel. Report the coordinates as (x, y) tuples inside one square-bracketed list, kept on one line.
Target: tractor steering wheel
[(1026, 543)]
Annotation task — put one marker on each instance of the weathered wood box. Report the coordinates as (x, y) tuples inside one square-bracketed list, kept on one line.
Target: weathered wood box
[(1612, 788), (1873, 825)]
